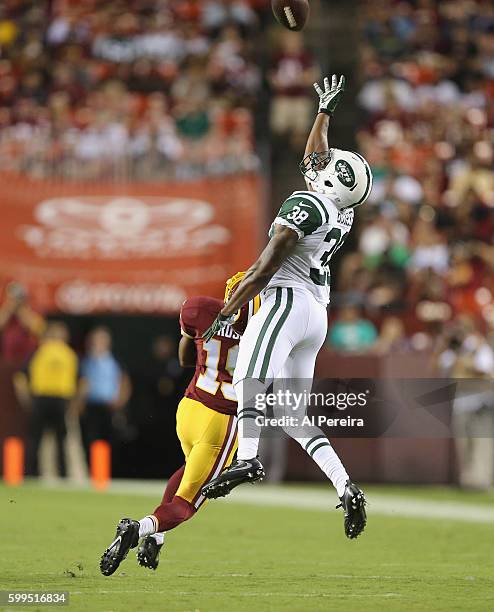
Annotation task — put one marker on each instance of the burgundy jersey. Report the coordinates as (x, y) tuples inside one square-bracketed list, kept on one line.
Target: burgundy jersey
[(212, 381)]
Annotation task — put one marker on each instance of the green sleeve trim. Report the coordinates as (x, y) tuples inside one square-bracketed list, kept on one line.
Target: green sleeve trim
[(301, 213)]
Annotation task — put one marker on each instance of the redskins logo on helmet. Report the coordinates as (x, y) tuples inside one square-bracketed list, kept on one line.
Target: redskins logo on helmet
[(252, 307)]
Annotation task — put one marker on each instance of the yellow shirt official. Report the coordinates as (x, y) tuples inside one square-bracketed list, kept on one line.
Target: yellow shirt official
[(52, 370)]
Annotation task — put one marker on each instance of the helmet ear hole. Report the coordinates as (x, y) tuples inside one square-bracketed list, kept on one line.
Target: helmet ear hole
[(328, 183)]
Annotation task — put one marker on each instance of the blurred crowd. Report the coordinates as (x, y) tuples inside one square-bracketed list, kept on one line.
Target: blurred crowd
[(421, 274), (420, 277), (292, 72), (145, 89)]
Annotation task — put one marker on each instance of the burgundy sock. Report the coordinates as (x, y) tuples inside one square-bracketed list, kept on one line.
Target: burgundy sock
[(171, 514), (172, 485)]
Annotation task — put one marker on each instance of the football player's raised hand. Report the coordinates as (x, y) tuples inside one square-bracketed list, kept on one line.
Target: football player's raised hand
[(329, 98)]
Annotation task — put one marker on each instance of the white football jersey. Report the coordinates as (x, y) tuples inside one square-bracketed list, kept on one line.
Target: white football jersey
[(321, 229)]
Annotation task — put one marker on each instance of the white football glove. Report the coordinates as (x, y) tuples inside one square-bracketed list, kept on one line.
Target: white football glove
[(329, 98)]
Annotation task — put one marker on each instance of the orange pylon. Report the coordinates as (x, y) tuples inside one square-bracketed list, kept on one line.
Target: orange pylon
[(100, 464), (13, 460)]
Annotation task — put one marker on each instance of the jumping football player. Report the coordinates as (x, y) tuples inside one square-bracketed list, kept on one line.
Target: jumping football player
[(206, 427), (283, 339)]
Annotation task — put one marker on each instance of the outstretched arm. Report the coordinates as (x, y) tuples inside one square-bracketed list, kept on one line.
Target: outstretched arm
[(257, 276), (260, 273), (328, 100), (318, 137)]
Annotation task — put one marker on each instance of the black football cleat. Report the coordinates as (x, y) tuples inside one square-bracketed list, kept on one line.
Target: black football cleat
[(148, 553), (240, 471), (127, 537), (353, 504)]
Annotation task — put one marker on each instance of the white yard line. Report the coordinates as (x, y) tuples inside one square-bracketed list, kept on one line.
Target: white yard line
[(378, 504), (310, 499)]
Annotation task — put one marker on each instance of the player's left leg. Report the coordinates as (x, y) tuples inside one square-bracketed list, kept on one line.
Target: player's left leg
[(296, 377), (150, 547), (296, 380), (264, 348), (173, 484), (271, 334), (128, 530), (209, 441)]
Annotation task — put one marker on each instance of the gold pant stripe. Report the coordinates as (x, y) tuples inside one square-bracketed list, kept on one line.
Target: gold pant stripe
[(209, 440), (229, 448)]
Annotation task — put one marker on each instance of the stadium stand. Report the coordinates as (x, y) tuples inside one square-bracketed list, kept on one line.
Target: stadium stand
[(133, 89), (425, 249)]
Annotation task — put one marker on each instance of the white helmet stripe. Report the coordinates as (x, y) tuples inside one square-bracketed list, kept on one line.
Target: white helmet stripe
[(369, 181)]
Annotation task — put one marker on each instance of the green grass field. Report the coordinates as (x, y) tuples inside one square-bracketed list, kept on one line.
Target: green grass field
[(237, 556)]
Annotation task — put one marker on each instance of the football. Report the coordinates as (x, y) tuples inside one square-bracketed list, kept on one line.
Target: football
[(292, 14)]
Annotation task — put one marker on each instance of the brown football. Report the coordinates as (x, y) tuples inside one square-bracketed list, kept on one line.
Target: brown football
[(292, 14)]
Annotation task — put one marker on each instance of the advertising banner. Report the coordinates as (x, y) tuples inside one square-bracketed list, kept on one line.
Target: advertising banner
[(138, 247)]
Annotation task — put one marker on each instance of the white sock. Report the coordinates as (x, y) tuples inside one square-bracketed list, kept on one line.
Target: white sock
[(147, 526), (248, 431), (321, 451), (159, 536), (247, 447)]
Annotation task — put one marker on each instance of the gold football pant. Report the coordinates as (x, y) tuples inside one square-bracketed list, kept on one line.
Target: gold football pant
[(209, 440)]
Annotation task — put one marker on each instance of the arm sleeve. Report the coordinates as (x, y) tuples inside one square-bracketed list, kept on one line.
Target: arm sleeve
[(300, 214)]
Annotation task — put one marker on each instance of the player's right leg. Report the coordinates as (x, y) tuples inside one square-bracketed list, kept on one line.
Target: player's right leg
[(126, 537), (150, 547), (269, 338), (209, 440), (264, 348), (296, 377)]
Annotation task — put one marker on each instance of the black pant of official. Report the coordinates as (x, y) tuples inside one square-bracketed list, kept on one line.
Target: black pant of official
[(48, 413), (96, 422)]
